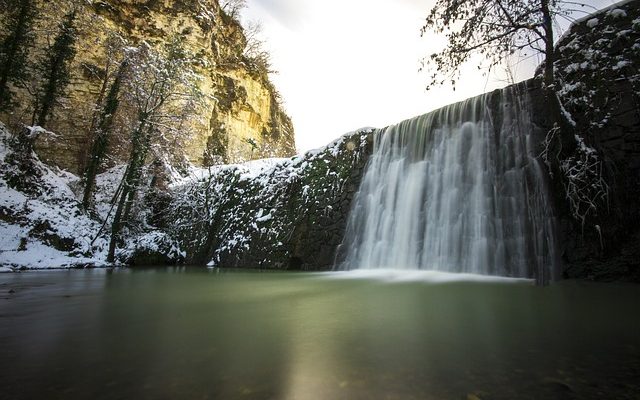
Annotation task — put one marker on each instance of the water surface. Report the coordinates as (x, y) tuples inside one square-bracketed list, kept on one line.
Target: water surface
[(208, 334)]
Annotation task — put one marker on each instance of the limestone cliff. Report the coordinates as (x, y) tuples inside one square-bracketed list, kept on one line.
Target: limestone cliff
[(598, 78), (241, 105), (292, 213)]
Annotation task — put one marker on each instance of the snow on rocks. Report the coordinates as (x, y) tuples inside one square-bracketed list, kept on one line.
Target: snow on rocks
[(248, 214), (597, 79), (617, 13), (42, 224), (595, 52)]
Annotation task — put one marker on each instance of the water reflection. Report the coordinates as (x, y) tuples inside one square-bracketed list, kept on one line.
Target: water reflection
[(211, 334)]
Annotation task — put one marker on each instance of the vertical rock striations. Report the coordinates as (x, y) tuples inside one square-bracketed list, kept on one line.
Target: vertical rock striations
[(241, 106)]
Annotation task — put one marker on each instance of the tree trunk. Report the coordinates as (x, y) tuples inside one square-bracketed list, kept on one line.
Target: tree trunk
[(102, 134), (4, 91), (49, 95), (556, 110), (97, 152), (140, 145), (117, 223), (549, 50), (129, 186)]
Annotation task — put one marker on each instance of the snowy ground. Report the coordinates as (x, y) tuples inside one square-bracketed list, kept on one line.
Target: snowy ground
[(42, 225)]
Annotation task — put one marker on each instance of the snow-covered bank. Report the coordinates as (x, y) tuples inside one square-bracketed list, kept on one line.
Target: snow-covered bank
[(41, 223), (230, 214)]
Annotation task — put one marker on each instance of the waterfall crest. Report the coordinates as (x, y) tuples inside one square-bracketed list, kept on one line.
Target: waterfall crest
[(459, 190)]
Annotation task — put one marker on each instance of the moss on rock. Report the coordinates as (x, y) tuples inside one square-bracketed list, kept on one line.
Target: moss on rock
[(290, 215)]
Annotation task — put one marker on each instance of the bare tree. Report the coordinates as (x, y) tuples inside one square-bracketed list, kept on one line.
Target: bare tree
[(162, 94), (255, 52), (101, 130), (233, 7), (498, 30), (494, 29), (107, 102)]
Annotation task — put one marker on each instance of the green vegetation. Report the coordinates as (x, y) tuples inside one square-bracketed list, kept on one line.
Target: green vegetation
[(103, 132), (14, 47), (55, 69)]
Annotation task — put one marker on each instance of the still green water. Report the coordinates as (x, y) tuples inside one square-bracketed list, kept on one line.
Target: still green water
[(207, 334)]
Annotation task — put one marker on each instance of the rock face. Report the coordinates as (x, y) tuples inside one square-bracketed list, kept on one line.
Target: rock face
[(240, 104), (598, 70), (598, 63), (291, 215), (42, 225)]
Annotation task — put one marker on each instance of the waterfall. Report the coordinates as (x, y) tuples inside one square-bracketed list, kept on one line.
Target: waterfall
[(459, 190)]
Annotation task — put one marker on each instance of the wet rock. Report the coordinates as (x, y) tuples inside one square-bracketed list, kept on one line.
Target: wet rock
[(600, 87), (292, 216)]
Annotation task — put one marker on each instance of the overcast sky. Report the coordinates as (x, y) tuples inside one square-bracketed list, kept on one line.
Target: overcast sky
[(347, 64)]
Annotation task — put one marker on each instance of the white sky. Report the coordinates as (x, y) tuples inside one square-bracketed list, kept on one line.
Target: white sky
[(347, 64)]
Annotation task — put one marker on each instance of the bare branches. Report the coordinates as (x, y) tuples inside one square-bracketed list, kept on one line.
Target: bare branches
[(585, 186), (498, 29), (233, 7), (494, 29), (161, 94), (254, 52)]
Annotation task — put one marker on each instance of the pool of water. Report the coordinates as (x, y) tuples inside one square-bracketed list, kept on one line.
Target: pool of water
[(211, 334)]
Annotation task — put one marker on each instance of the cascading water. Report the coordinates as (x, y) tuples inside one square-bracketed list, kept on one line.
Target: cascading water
[(458, 190)]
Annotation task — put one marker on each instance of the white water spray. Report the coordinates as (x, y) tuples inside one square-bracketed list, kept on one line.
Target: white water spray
[(458, 190)]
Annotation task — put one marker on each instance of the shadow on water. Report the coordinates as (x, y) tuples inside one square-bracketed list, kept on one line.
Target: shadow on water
[(195, 333)]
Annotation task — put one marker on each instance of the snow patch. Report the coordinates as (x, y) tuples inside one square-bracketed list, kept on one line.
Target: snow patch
[(617, 13), (266, 218), (621, 64), (43, 225)]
